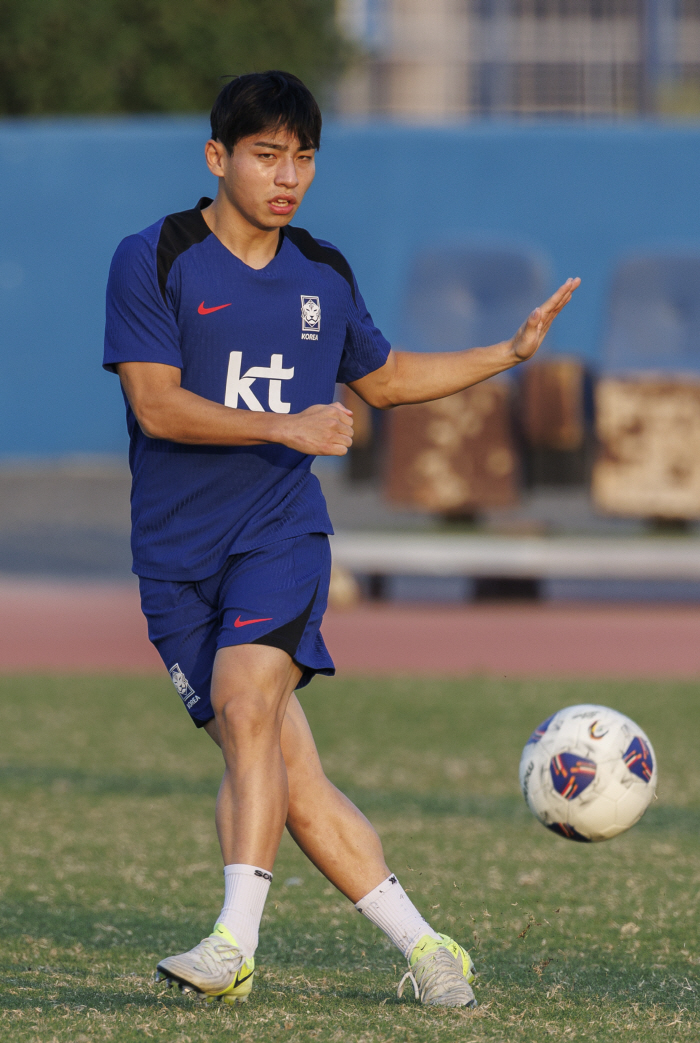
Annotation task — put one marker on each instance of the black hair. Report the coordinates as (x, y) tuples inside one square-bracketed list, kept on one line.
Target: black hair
[(265, 100)]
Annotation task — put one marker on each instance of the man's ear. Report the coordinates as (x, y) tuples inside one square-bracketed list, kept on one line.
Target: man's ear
[(214, 153)]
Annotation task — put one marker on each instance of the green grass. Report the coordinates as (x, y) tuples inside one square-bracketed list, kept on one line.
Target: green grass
[(109, 861)]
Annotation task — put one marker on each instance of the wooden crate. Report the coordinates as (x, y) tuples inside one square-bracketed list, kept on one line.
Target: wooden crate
[(649, 460), (552, 404), (363, 458), (361, 415), (456, 455)]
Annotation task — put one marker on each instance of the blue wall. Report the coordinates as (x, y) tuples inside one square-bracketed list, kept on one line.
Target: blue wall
[(580, 195)]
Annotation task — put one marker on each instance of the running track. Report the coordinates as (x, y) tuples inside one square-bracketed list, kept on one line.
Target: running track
[(53, 626)]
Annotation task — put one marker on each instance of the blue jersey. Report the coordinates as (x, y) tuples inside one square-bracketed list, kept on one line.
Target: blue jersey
[(275, 339)]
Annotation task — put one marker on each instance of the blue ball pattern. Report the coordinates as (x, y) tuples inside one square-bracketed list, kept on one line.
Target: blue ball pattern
[(565, 830), (540, 730), (571, 774), (638, 759)]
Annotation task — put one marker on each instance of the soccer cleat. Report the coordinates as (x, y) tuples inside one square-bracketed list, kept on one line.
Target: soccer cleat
[(216, 969), (441, 973)]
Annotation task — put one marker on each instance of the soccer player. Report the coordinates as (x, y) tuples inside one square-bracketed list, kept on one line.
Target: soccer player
[(229, 329)]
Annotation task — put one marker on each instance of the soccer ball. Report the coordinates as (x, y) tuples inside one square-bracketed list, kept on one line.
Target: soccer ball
[(588, 773)]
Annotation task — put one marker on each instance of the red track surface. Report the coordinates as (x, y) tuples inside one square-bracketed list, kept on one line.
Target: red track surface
[(87, 626), (73, 626)]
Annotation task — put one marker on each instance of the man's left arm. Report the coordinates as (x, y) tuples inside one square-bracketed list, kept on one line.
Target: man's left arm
[(409, 376)]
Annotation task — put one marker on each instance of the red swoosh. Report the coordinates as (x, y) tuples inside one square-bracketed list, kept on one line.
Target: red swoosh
[(247, 622), (207, 311)]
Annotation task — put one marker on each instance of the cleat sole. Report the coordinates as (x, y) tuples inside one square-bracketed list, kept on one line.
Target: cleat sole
[(230, 1000), (184, 986), (188, 989)]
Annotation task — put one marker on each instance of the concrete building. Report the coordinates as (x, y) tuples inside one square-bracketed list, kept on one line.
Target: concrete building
[(442, 60)]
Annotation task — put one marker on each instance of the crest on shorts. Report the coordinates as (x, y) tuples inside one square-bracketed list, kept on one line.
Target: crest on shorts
[(183, 686), (310, 314)]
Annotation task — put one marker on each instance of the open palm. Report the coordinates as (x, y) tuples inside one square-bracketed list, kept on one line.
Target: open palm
[(533, 331)]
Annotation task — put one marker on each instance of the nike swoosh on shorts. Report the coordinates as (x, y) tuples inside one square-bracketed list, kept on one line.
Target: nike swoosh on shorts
[(246, 622)]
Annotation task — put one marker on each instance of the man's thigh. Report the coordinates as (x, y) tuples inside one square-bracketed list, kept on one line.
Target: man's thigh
[(184, 627), (252, 682), (275, 597)]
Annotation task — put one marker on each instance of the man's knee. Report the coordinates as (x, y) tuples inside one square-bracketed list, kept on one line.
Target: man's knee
[(250, 688), (248, 714)]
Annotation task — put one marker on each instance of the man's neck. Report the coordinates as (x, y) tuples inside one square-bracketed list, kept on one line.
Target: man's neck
[(254, 246)]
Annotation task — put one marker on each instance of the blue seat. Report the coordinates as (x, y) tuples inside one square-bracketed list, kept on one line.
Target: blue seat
[(654, 323), (469, 296)]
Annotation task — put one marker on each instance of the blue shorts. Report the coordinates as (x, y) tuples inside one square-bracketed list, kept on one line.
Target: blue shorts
[(275, 595)]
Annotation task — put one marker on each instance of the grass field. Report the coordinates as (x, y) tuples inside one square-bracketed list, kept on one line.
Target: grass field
[(109, 861)]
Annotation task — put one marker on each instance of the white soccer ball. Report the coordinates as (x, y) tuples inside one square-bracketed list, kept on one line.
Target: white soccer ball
[(588, 773)]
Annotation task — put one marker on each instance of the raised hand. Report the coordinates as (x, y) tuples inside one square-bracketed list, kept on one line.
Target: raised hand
[(533, 331)]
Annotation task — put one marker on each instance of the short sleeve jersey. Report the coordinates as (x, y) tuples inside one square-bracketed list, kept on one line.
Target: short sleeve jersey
[(275, 339)]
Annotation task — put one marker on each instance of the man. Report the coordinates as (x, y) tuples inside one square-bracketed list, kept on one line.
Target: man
[(229, 329)]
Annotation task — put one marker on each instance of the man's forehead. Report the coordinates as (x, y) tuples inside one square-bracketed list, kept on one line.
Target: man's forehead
[(276, 137)]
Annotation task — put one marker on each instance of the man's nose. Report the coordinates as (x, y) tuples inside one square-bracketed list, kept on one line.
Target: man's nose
[(287, 173)]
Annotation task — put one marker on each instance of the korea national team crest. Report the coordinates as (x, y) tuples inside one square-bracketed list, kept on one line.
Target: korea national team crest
[(183, 686), (310, 317)]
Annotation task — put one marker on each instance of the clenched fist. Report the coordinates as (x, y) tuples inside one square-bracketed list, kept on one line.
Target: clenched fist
[(319, 430)]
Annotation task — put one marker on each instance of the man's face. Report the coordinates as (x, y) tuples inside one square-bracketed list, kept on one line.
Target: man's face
[(266, 176)]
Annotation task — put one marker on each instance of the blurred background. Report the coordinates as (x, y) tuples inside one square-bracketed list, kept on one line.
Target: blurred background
[(475, 154), (528, 544)]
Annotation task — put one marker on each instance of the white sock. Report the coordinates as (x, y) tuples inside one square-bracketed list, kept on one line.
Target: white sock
[(389, 907), (244, 901)]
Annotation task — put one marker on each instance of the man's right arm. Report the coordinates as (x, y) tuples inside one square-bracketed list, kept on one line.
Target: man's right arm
[(166, 410)]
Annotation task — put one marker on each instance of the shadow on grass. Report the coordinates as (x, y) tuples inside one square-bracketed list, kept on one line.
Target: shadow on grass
[(61, 780), (110, 997), (105, 960), (33, 929), (434, 805), (101, 987), (14, 777)]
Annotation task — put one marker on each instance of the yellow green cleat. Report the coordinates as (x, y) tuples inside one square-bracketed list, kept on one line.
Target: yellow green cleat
[(441, 973), (215, 970)]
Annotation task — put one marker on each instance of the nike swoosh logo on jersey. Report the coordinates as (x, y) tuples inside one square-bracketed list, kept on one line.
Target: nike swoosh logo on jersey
[(207, 311), (246, 622)]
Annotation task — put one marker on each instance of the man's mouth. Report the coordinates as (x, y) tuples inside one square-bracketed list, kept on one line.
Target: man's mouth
[(282, 204)]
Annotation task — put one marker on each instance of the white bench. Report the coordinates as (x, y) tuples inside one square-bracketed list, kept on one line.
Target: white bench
[(389, 554)]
